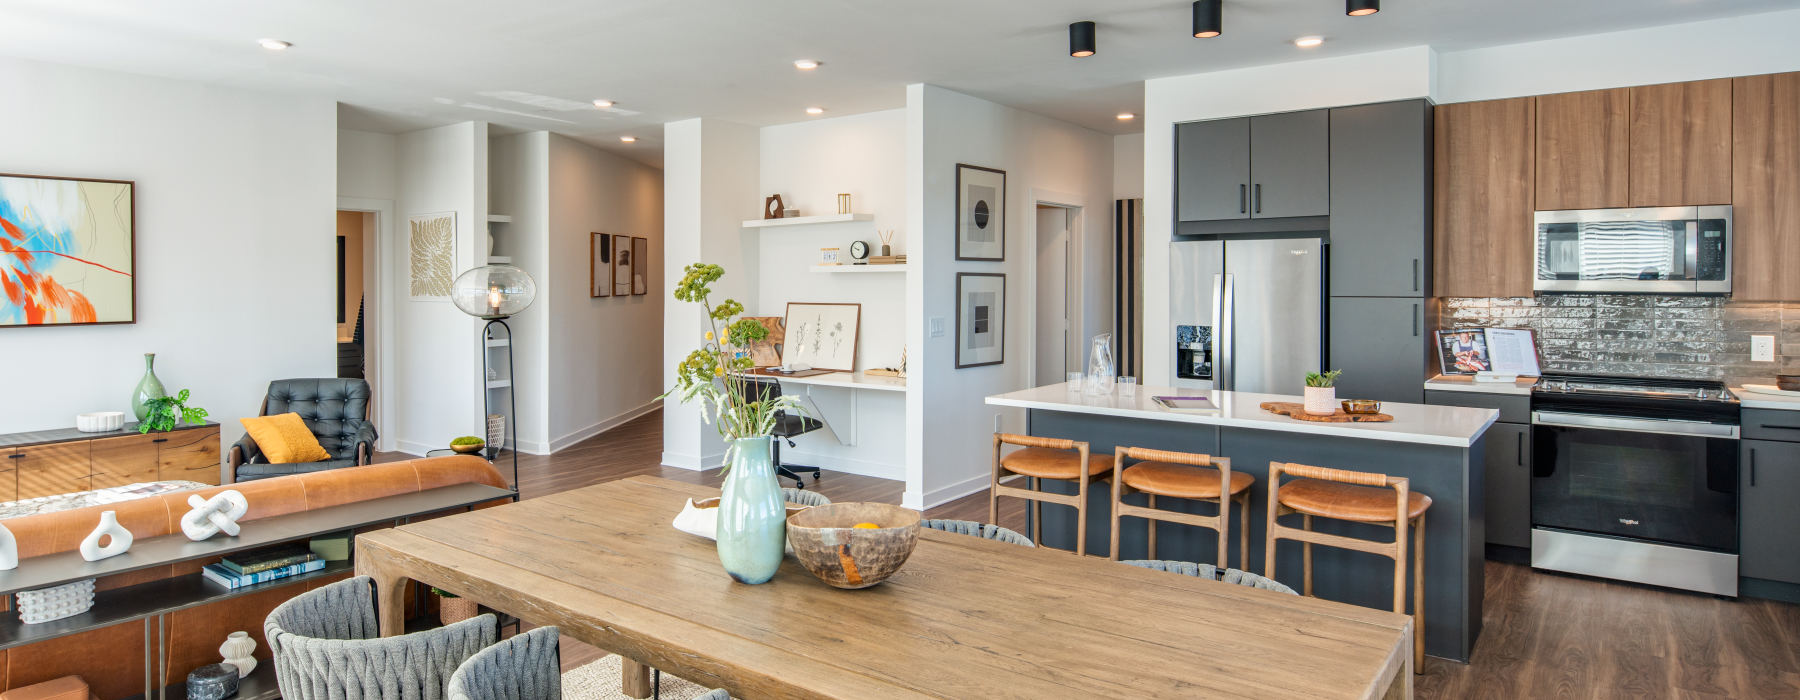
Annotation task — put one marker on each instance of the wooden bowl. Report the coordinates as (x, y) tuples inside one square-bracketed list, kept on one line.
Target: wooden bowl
[(466, 449), (1362, 406), (845, 557), (714, 503), (1787, 382)]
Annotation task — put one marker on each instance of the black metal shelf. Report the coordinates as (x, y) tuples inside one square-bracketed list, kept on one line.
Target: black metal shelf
[(261, 684)]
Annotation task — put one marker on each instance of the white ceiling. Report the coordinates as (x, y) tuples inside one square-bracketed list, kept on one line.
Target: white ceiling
[(528, 65)]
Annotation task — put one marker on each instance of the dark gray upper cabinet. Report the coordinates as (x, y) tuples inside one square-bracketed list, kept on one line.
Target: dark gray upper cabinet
[(1768, 523), (1212, 167), (1381, 200), (1290, 164), (1380, 345)]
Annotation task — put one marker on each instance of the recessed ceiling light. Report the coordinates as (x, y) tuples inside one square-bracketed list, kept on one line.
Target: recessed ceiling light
[(1127, 115), (628, 139), (815, 110), (1309, 41), (273, 44), (804, 64), (603, 104), (1361, 8)]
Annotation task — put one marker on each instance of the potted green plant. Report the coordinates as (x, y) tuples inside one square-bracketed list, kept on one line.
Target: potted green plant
[(1321, 396), (453, 608), (163, 411), (752, 519), (467, 445)]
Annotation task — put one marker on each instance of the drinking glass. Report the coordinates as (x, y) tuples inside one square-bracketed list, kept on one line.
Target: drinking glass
[(1075, 381), (1127, 387)]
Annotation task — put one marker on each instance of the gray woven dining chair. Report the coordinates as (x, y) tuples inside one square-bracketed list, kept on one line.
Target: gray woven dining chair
[(804, 498), (975, 529), (327, 645), (1211, 573), (522, 667)]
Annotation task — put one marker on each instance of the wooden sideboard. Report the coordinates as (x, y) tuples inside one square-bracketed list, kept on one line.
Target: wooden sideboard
[(52, 462)]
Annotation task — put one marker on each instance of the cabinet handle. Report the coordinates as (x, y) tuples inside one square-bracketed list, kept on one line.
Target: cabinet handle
[(1415, 320), (1415, 274), (1520, 453), (15, 456), (1752, 467), (1243, 200), (160, 440), (1782, 427), (1259, 198)]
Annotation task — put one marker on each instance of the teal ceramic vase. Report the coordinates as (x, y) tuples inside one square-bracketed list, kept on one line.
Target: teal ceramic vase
[(752, 528), (148, 388)]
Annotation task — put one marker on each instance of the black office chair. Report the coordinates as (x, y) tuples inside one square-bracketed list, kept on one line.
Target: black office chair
[(787, 427)]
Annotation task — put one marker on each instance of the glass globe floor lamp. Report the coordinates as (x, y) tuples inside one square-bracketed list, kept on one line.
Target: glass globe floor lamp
[(495, 293)]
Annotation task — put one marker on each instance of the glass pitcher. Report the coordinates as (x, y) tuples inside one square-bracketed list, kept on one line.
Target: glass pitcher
[(1101, 369)]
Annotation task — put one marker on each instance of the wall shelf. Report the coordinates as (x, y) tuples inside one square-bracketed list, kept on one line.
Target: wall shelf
[(499, 342), (858, 268), (499, 219), (499, 384), (803, 220), (499, 259)]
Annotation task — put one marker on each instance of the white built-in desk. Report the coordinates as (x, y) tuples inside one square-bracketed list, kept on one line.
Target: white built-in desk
[(852, 380), (846, 418)]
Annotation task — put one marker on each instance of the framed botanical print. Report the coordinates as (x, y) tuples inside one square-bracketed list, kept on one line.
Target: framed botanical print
[(980, 319), (599, 265), (431, 253), (640, 265), (980, 213), (822, 335), (622, 259)]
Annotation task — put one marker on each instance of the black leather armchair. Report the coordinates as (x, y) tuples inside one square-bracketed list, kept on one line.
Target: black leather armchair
[(337, 412)]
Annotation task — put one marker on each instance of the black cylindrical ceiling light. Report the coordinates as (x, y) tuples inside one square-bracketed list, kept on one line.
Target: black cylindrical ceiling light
[(1361, 8), (1081, 39), (1209, 18)]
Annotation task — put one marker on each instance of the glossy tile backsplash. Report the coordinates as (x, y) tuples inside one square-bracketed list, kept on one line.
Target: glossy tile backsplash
[(1634, 335)]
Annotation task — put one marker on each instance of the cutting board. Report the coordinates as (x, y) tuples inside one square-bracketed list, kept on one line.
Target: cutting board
[(1297, 411)]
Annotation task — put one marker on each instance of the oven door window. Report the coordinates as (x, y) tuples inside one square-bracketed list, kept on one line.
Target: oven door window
[(1672, 489), (1613, 250)]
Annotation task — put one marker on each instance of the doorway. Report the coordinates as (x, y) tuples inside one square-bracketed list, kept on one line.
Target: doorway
[(351, 307), (1051, 346), (362, 304)]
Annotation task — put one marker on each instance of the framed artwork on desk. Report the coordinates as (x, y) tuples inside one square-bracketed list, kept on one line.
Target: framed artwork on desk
[(824, 336)]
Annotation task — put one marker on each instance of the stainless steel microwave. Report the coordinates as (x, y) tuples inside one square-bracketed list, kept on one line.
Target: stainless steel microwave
[(1652, 250)]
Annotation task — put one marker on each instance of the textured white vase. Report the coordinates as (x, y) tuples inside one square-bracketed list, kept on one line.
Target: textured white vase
[(46, 604), (1321, 400), (237, 650), (9, 550), (109, 525)]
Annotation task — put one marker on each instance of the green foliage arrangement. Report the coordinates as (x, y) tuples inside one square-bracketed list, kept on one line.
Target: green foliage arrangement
[(714, 373), (468, 440), (1315, 379), (441, 593), (165, 410)]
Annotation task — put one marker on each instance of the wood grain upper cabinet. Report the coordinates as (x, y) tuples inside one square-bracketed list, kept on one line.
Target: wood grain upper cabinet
[(1584, 150), (1681, 144), (1212, 170), (1483, 189), (119, 461), (190, 455), (1765, 187), (1290, 164), (49, 470)]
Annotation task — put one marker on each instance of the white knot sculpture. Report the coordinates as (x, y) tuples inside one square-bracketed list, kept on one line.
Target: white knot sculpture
[(212, 515)]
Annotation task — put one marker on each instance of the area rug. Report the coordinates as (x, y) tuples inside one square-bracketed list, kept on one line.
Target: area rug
[(600, 681)]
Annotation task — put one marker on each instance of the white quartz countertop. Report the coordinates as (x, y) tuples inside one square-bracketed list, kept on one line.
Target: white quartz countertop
[(1429, 425), (1518, 387), (1751, 399)]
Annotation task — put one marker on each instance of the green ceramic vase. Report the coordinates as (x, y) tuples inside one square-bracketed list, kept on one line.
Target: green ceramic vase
[(752, 528), (148, 388)]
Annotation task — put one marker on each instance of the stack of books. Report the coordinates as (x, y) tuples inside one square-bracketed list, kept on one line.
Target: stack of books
[(260, 565), (887, 260)]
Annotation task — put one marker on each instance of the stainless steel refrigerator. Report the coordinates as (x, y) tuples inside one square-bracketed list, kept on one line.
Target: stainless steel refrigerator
[(1253, 311)]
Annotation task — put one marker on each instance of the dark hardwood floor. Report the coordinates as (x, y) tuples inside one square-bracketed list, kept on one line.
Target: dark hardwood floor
[(1544, 635)]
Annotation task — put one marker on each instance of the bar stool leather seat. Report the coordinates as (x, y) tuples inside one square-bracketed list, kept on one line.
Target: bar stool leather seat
[(1330, 499), (1046, 463), (1181, 480)]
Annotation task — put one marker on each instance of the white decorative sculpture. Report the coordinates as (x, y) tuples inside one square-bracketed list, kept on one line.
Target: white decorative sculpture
[(56, 603), (213, 515), (237, 649), (9, 550), (109, 525)]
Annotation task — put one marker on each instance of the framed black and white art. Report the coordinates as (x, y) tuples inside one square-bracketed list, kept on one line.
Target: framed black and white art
[(600, 265), (622, 262), (980, 319), (980, 213)]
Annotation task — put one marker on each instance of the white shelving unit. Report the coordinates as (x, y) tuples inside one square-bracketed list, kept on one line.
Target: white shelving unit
[(499, 219), (804, 220), (836, 269)]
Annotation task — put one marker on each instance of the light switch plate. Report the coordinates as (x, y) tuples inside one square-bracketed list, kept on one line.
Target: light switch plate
[(1762, 348), (936, 324)]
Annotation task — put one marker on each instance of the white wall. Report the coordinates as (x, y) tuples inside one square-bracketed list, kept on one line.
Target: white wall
[(366, 165), (1749, 45), (605, 356), (1128, 166), (809, 163), (437, 375), (1348, 80), (235, 258), (949, 426), (519, 187)]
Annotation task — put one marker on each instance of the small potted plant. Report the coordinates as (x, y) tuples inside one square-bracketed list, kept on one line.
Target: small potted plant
[(467, 445), (452, 608), (1321, 396), (164, 411)]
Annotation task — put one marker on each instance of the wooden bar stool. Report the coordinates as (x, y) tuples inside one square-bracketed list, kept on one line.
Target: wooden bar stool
[(1181, 475), (1047, 458), (1347, 495)]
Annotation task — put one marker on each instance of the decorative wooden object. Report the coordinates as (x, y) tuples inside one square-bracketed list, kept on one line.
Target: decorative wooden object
[(1298, 412), (772, 208), (602, 563), (1681, 144), (1765, 186), (1483, 183), (828, 545)]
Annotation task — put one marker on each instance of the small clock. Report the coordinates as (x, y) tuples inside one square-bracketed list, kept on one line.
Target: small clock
[(859, 250)]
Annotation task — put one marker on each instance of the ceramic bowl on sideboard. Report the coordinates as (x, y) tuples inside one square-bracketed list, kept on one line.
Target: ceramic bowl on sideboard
[(104, 421), (1787, 382), (828, 543)]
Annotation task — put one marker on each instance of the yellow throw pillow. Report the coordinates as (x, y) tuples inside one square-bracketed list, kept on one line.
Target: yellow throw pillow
[(284, 439)]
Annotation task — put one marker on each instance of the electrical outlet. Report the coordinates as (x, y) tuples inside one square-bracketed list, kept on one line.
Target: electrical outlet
[(1762, 348), (936, 324)]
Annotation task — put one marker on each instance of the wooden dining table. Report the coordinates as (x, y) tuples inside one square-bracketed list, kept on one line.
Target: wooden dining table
[(966, 617)]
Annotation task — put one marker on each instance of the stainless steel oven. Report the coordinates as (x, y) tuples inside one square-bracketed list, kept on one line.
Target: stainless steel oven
[(1660, 250), (1636, 482)]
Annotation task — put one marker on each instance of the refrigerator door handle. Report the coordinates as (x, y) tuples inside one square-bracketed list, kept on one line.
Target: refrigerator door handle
[(1224, 371)]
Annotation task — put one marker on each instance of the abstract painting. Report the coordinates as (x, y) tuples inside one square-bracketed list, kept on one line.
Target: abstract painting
[(822, 335), (640, 265), (980, 319), (599, 265), (980, 213), (433, 255), (67, 251), (622, 258)]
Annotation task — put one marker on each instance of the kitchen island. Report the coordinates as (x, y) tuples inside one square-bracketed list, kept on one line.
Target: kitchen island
[(1438, 448)]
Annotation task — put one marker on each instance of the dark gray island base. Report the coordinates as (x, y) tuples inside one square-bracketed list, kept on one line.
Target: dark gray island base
[(1452, 476)]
